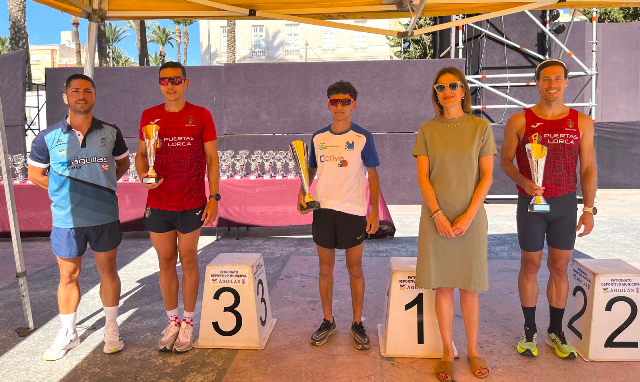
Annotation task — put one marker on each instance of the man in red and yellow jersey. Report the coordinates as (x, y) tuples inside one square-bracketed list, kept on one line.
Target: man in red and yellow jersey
[(568, 136)]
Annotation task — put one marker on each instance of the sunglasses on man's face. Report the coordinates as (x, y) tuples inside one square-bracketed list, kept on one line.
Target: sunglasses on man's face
[(342, 101), (452, 85), (175, 81)]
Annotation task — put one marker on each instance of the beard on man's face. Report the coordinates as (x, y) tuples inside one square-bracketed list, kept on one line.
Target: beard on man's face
[(81, 111)]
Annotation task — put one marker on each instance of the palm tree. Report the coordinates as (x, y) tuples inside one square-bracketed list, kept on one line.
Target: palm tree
[(18, 37), (121, 57), (76, 36), (162, 36), (155, 60), (4, 45), (185, 37), (115, 34), (103, 57), (178, 36), (231, 41), (140, 28)]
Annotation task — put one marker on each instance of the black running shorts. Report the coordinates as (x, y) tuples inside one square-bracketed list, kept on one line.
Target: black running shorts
[(338, 230), (558, 225), (160, 221)]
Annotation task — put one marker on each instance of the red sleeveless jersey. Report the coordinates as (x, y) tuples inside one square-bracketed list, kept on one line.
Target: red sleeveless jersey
[(562, 138)]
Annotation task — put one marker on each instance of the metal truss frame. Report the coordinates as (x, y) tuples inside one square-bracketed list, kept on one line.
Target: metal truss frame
[(591, 73)]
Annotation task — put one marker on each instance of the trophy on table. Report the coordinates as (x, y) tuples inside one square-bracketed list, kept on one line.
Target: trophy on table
[(300, 153), (150, 132), (537, 154)]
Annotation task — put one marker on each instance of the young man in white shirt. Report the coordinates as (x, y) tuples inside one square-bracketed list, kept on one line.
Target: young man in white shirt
[(340, 155)]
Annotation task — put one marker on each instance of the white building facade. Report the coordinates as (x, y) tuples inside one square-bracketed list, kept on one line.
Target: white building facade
[(285, 41)]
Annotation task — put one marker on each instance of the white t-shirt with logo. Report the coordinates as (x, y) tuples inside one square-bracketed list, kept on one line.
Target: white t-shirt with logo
[(342, 160)]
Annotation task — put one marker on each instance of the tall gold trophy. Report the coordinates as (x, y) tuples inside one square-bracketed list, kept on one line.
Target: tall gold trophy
[(150, 132), (537, 154), (300, 153)]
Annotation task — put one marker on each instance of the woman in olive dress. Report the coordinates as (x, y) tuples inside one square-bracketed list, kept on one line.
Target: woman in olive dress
[(454, 154)]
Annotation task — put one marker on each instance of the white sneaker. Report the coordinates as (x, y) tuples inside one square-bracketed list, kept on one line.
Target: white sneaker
[(63, 343), (169, 335), (185, 338), (112, 341)]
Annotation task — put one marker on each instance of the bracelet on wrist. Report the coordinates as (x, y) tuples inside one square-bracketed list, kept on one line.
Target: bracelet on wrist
[(436, 212)]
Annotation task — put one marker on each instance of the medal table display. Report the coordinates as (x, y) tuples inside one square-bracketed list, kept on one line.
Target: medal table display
[(245, 203)]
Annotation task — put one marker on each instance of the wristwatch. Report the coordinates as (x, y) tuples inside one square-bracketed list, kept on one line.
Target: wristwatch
[(215, 197), (592, 210)]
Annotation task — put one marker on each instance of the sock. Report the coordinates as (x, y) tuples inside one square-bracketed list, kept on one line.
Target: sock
[(110, 313), (530, 318), (188, 318), (555, 319), (68, 322), (172, 315)]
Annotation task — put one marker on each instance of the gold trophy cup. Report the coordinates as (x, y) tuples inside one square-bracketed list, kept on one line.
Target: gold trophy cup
[(537, 154), (300, 153), (150, 132)]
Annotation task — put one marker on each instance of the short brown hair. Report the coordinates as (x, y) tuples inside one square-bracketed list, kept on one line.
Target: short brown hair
[(551, 62), (466, 100)]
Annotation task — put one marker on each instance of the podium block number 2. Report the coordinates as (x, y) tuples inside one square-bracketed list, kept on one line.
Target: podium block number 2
[(610, 341), (418, 302), (230, 309)]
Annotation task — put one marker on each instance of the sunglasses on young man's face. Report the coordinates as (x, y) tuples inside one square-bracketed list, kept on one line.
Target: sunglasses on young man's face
[(452, 85), (342, 101), (175, 81)]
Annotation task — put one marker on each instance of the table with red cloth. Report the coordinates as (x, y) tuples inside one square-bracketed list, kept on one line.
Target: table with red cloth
[(245, 203)]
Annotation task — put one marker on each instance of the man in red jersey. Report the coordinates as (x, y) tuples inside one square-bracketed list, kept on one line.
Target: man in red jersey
[(568, 135), (176, 205)]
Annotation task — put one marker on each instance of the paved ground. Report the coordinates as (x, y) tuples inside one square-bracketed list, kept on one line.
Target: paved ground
[(291, 267)]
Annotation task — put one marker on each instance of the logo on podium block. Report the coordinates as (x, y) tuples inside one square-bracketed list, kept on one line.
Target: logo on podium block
[(410, 328), (236, 312), (602, 310)]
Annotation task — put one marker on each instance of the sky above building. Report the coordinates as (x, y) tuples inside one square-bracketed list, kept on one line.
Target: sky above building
[(44, 25)]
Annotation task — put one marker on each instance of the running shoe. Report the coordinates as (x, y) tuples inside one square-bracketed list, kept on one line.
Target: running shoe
[(184, 342), (562, 347), (63, 343), (320, 336), (169, 335), (527, 344), (360, 337), (112, 341)]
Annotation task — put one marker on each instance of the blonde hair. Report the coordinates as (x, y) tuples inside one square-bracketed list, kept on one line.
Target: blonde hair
[(466, 100)]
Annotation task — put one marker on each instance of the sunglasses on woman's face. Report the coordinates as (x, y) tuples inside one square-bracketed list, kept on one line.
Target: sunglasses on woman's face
[(452, 85), (175, 81), (342, 101)]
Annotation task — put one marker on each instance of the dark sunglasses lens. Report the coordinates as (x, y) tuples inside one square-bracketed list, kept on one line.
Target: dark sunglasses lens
[(175, 80), (453, 86), (440, 88), (344, 102), (164, 81)]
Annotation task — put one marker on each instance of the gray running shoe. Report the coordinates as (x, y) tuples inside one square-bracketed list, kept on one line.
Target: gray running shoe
[(169, 335), (360, 337), (320, 336), (184, 342)]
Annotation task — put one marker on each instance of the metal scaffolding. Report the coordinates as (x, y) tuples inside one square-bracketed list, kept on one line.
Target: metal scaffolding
[(592, 73)]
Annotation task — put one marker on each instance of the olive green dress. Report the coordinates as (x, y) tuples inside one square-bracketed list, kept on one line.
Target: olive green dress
[(453, 147)]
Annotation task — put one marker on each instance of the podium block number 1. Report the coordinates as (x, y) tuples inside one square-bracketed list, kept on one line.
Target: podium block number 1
[(418, 302)]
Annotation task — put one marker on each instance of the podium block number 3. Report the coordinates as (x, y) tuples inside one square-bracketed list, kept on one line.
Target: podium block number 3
[(610, 341), (260, 293), (230, 309), (418, 302)]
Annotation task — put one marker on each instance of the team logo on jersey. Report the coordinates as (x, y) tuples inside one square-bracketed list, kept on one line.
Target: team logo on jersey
[(103, 142), (105, 167), (349, 145), (58, 143), (62, 152), (324, 146), (570, 123), (343, 163), (536, 125)]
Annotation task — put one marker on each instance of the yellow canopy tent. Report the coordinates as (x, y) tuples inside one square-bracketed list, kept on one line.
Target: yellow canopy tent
[(321, 12)]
